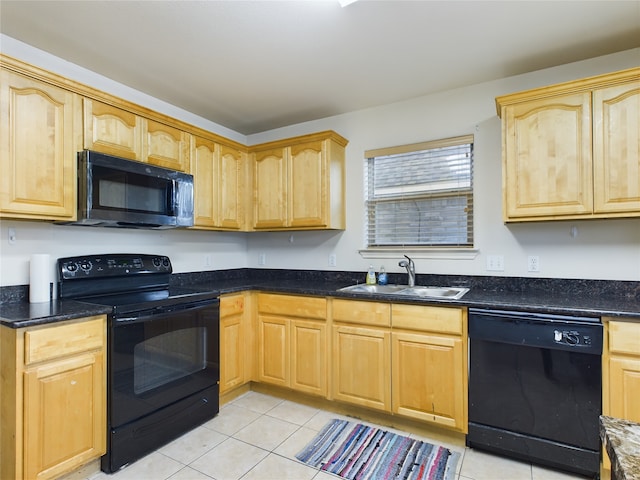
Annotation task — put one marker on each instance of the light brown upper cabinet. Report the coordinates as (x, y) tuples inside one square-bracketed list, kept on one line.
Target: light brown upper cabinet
[(112, 130), (616, 148), (116, 131), (294, 184), (298, 183), (270, 189), (166, 146), (572, 150), (38, 143), (219, 175)]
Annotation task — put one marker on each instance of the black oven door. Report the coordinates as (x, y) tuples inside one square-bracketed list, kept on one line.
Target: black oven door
[(159, 357)]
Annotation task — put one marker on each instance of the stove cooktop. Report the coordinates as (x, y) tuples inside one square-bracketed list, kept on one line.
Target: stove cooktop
[(151, 299)]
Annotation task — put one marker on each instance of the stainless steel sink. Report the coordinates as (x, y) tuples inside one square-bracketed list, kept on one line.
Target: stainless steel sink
[(450, 293), (364, 288)]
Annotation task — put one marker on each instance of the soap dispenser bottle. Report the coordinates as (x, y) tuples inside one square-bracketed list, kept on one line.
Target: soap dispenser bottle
[(382, 276), (371, 276)]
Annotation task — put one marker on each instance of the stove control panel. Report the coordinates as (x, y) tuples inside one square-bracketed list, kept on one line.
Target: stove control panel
[(112, 265)]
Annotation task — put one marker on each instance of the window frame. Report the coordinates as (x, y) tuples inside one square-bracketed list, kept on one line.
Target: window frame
[(418, 251)]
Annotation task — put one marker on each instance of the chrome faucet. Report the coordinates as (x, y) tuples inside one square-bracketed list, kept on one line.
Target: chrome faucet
[(411, 270)]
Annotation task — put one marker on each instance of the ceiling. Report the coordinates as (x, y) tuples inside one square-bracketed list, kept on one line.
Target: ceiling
[(253, 66)]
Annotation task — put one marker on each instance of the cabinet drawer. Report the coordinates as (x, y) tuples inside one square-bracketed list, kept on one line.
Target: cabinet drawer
[(293, 306), (53, 342), (365, 313), (427, 318), (624, 337), (231, 305)]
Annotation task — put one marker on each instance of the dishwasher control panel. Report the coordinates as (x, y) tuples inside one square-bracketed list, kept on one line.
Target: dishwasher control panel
[(538, 330), (572, 338)]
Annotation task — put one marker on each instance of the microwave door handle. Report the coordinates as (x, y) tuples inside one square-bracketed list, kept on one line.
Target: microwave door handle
[(173, 197)]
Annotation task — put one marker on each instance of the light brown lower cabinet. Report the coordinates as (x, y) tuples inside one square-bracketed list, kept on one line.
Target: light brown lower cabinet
[(53, 398), (235, 342), (429, 364), (361, 353), (410, 360), (622, 370), (620, 374), (362, 366), (293, 342)]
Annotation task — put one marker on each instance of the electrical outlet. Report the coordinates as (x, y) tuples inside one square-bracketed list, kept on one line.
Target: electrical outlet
[(332, 260), (262, 259), (495, 263), (533, 263), (12, 236)]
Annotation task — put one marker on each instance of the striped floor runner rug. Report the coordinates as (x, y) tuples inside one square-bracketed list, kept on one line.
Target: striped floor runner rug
[(359, 452)]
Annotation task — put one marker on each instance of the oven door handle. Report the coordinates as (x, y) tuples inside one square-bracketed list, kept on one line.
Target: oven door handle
[(146, 315)]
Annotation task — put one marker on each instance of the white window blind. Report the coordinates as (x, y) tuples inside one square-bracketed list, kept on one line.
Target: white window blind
[(420, 195)]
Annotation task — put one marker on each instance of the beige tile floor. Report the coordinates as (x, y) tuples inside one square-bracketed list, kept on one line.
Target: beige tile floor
[(256, 437)]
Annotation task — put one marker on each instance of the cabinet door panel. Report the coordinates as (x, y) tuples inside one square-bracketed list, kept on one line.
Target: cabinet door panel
[(309, 357), (617, 149), (111, 130), (231, 352), (428, 379), (231, 188), (547, 157), (166, 146), (362, 366), (273, 350), (204, 170), (38, 148), (624, 387), (307, 186), (269, 185), (64, 422)]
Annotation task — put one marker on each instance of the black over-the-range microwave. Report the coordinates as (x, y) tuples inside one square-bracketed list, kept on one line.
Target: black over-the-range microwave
[(116, 192)]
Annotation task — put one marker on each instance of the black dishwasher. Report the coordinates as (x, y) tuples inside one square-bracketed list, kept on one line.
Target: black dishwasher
[(535, 388)]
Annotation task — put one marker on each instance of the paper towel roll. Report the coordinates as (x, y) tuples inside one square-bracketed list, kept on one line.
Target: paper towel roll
[(39, 278)]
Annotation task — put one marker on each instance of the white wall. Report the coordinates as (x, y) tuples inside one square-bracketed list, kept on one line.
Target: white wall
[(189, 250), (603, 249), (606, 249)]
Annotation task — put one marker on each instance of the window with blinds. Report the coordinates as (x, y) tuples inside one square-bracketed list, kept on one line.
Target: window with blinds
[(420, 195)]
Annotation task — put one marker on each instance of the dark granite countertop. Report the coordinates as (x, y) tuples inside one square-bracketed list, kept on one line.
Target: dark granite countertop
[(25, 314), (622, 441), (566, 297)]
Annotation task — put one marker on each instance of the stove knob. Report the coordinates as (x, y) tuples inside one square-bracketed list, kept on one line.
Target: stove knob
[(85, 265), (156, 262), (72, 267), (165, 262)]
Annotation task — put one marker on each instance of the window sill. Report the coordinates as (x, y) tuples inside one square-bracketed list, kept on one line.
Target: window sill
[(427, 252)]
